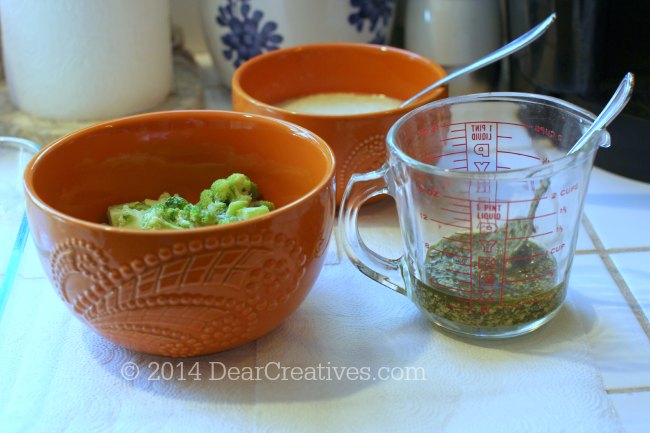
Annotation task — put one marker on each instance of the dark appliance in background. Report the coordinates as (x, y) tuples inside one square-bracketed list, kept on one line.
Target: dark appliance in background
[(582, 58)]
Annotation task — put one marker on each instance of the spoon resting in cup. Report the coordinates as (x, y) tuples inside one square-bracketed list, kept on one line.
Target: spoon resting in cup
[(519, 43), (613, 108), (524, 228)]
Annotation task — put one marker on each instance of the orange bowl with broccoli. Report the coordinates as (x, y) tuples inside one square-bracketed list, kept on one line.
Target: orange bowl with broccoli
[(208, 287)]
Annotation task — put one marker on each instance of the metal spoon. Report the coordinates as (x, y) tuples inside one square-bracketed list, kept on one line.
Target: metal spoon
[(522, 229), (497, 55), (613, 108)]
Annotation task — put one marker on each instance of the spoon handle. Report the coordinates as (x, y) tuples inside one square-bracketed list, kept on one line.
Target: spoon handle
[(497, 55), (613, 108)]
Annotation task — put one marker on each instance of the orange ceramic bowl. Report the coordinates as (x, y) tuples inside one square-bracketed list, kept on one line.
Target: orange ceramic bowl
[(358, 140), (181, 292)]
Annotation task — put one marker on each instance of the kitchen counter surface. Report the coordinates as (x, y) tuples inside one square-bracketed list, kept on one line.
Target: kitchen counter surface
[(609, 297)]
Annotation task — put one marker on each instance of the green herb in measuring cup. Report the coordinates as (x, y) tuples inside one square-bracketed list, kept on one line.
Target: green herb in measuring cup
[(521, 291)]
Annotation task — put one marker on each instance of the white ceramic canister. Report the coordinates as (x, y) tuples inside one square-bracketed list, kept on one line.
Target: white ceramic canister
[(236, 30), (86, 59), (455, 33)]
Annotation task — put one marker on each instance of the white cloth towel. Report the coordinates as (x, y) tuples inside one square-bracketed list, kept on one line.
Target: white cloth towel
[(56, 375)]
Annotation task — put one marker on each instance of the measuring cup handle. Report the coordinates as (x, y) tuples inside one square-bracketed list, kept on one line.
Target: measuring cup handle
[(360, 188)]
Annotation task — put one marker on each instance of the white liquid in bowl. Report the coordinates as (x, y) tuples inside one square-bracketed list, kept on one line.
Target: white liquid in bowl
[(340, 103)]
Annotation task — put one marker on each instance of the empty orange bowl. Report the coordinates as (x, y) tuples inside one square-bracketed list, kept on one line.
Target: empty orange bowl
[(358, 140), (181, 292)]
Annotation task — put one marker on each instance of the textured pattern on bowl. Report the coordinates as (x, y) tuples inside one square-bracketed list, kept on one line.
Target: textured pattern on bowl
[(190, 292)]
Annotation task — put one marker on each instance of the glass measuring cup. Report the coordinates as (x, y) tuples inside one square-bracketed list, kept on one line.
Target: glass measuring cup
[(489, 204)]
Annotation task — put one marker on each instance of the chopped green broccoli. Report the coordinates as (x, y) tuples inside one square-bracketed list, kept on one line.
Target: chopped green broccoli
[(233, 199)]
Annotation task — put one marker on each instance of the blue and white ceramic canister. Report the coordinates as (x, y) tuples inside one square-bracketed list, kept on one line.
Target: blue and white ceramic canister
[(237, 30)]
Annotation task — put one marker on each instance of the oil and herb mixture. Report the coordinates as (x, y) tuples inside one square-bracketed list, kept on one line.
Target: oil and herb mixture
[(519, 290)]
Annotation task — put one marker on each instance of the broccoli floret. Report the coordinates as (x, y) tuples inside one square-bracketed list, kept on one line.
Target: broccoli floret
[(235, 206), (228, 200), (170, 209), (270, 206), (242, 187), (235, 187), (250, 212), (166, 212), (205, 216), (219, 192), (174, 202), (127, 214), (155, 221)]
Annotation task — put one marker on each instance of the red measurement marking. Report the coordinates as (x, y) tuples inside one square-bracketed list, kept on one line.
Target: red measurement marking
[(428, 218), (447, 154), (460, 168), (519, 154), (491, 122), (450, 254), (486, 295), (455, 211), (502, 167), (428, 191), (531, 236), (496, 155), (456, 198), (454, 271), (459, 160), (488, 245), (456, 240), (459, 144), (482, 166), (532, 218), (457, 130), (427, 245), (454, 138), (461, 219), (503, 268), (503, 136), (545, 131), (524, 201)]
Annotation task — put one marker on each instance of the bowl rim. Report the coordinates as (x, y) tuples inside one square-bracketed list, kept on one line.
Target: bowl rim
[(251, 63), (28, 176)]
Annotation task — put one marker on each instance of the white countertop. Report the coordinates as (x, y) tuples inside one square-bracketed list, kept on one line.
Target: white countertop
[(609, 297)]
